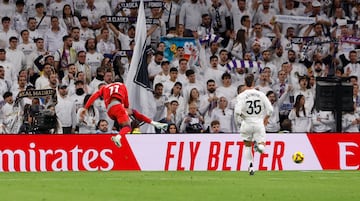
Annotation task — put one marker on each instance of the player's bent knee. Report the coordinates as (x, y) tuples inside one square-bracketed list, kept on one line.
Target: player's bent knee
[(247, 143)]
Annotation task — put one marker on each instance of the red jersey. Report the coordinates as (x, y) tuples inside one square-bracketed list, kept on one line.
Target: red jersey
[(115, 90)]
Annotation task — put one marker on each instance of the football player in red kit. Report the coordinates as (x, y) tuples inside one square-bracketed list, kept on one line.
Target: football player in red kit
[(116, 100)]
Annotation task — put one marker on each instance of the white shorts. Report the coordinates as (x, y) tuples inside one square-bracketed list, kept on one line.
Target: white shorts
[(253, 132)]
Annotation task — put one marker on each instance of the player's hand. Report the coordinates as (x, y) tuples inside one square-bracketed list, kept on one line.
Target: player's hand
[(266, 120), (82, 114)]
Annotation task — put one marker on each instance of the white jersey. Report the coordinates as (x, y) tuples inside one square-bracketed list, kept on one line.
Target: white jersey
[(252, 105)]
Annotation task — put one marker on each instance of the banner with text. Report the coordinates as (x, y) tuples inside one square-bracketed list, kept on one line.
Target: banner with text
[(185, 152)]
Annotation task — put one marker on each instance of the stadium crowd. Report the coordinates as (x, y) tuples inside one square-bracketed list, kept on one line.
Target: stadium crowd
[(71, 47)]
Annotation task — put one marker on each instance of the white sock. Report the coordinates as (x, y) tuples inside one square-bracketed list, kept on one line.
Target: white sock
[(248, 154)]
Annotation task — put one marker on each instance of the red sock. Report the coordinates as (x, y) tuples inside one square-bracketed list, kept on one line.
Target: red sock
[(125, 130), (141, 117)]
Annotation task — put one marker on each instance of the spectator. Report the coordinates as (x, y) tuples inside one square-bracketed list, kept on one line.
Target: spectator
[(193, 121), (85, 31), (170, 13), (323, 121), (78, 44), (169, 83), (20, 16), (350, 122), (67, 19), (6, 33), (104, 44), (93, 58), (239, 46), (27, 46), (93, 13), (64, 56), (237, 11), (43, 22), (52, 35), (82, 66), (164, 75), (224, 115), (78, 97), (57, 8), (5, 85), (215, 127), (190, 16), (10, 72), (103, 127), (65, 110), (300, 119), (201, 101), (7, 113), (34, 33), (15, 55), (43, 81), (220, 18), (91, 118), (161, 104), (172, 129)]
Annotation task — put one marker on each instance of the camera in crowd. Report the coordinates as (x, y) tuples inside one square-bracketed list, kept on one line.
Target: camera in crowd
[(38, 120)]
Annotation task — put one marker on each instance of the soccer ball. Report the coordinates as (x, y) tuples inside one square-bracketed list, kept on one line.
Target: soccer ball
[(298, 157)]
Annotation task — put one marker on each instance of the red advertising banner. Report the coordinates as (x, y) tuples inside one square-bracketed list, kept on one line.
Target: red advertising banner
[(64, 153), (183, 152), (337, 151)]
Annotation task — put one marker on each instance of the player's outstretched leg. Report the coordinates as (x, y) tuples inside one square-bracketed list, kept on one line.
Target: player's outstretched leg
[(158, 125), (141, 117)]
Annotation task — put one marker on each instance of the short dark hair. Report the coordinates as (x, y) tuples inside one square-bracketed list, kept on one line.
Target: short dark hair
[(158, 85), (164, 62), (54, 17), (214, 122), (20, 2), (205, 15), (73, 28), (173, 69), (38, 5), (210, 80), (4, 19), (225, 75), (249, 79), (243, 18), (65, 37), (84, 18), (189, 72), (13, 38), (213, 57), (23, 31), (7, 94), (159, 53), (79, 82)]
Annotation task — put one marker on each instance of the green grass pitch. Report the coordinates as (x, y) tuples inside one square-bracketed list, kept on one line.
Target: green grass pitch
[(174, 186)]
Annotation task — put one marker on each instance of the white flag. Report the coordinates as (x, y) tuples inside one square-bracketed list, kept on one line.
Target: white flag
[(139, 90)]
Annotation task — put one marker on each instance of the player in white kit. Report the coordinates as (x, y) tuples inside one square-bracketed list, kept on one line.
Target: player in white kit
[(253, 109)]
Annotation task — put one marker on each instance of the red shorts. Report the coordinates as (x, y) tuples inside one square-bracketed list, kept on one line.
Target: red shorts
[(118, 113)]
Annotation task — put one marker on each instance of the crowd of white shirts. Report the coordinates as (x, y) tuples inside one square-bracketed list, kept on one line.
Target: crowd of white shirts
[(207, 80)]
